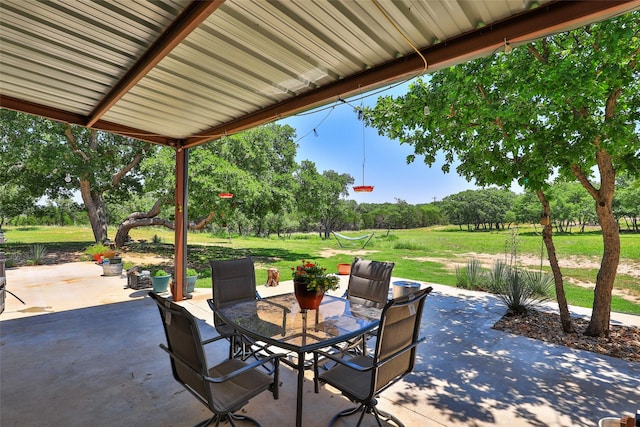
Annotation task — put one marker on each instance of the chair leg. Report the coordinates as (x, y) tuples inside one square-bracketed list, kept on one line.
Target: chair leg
[(228, 418), (368, 408)]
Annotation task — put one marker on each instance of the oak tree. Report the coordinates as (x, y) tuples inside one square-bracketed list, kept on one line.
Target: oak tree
[(568, 104)]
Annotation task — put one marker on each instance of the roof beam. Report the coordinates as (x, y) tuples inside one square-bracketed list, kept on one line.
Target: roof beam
[(63, 116), (189, 19), (530, 25)]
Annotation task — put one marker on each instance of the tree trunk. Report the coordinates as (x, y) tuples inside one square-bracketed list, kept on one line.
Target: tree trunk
[(547, 237), (94, 203), (601, 314)]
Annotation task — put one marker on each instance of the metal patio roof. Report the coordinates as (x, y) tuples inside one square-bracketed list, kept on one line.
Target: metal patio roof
[(182, 73)]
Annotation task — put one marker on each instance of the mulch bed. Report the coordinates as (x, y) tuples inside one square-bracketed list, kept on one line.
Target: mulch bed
[(623, 341)]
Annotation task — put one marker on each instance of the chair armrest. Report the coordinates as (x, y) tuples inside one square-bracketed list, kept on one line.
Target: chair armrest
[(398, 353), (274, 357), (214, 339), (359, 368), (342, 361)]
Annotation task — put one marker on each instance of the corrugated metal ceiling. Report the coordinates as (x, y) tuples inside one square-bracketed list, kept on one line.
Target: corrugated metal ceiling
[(181, 73)]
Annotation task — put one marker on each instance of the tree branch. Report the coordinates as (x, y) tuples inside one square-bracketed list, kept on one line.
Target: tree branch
[(536, 53), (153, 212), (201, 223), (577, 171), (73, 145), (117, 177), (612, 102)]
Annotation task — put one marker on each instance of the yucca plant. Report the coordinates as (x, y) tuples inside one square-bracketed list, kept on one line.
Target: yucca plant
[(541, 282), (37, 253), (498, 275), (471, 276), (519, 290)]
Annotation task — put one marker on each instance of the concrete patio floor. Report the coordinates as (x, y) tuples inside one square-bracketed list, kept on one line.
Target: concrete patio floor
[(84, 351)]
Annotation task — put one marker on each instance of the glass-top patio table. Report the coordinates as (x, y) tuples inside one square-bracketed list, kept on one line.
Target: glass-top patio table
[(280, 322)]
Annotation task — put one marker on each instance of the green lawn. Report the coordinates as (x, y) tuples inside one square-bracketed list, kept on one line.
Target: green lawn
[(426, 254)]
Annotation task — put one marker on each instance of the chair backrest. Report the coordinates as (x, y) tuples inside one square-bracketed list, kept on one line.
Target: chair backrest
[(232, 280), (369, 282), (397, 335), (185, 343)]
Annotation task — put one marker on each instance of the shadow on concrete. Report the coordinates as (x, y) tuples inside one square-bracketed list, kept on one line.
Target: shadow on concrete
[(475, 375), (101, 366)]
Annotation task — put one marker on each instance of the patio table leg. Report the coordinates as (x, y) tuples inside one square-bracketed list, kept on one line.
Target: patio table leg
[(300, 386)]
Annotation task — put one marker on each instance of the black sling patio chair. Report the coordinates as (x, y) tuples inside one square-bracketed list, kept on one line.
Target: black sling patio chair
[(224, 388), (369, 283), (234, 281), (361, 378)]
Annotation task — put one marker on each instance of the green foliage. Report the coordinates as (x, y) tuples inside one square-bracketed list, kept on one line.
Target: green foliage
[(96, 248), (160, 273), (318, 196), (519, 290), (542, 283), (409, 245), (156, 239), (479, 209), (10, 261), (37, 253), (314, 277), (471, 276), (191, 272)]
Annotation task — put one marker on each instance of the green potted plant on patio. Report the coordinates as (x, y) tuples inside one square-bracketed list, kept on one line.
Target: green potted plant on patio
[(96, 251), (160, 281), (192, 277), (310, 282)]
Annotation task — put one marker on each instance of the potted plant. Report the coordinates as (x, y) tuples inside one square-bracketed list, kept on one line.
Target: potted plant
[(160, 281), (96, 251), (310, 282), (192, 277)]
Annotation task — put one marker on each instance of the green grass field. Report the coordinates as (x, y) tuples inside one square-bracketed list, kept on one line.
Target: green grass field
[(427, 254)]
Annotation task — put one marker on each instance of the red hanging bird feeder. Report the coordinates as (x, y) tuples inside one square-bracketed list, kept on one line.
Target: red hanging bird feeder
[(362, 188), (226, 195)]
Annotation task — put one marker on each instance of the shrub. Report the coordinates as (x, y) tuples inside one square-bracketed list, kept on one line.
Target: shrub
[(96, 248), (191, 272), (519, 290), (11, 261), (498, 275), (471, 276), (541, 282), (156, 239), (159, 273), (37, 252), (410, 245)]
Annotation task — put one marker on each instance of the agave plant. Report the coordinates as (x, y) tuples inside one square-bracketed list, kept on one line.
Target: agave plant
[(471, 276), (519, 290), (37, 253)]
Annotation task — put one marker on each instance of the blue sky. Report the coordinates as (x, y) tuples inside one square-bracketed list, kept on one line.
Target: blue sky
[(338, 145)]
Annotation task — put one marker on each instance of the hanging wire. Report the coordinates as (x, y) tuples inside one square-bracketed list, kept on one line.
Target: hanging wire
[(413, 46), (364, 152)]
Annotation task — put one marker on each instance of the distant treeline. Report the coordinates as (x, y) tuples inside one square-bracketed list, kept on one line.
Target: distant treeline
[(487, 209)]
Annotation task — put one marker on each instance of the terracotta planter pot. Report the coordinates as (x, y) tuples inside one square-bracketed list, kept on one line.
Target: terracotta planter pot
[(309, 300), (344, 269)]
